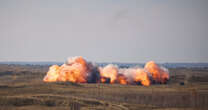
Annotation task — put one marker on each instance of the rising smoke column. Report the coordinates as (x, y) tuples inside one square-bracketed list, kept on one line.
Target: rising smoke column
[(78, 70)]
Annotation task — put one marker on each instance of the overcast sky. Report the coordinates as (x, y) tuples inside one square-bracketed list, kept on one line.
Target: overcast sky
[(104, 30)]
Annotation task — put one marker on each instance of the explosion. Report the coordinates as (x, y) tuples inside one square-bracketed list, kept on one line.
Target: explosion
[(78, 70), (159, 74), (75, 70), (142, 76), (110, 71)]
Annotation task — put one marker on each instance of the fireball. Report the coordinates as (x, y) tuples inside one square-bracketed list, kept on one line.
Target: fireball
[(78, 70), (158, 74), (109, 71)]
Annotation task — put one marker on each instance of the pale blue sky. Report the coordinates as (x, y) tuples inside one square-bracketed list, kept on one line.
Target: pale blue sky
[(104, 30)]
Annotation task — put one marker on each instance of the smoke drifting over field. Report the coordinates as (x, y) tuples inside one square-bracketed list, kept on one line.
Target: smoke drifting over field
[(78, 70)]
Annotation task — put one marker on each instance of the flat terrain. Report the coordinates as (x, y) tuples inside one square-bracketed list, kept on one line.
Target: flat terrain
[(22, 88)]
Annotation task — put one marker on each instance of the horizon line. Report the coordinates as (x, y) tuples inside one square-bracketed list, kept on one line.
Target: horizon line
[(92, 62)]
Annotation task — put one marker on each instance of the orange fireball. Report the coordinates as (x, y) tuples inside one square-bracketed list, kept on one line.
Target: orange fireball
[(142, 76), (74, 71), (52, 74), (158, 73), (122, 79), (109, 71), (78, 70)]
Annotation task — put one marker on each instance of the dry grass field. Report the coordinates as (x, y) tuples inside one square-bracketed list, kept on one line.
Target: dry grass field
[(22, 88)]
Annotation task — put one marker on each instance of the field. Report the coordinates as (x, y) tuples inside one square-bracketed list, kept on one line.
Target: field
[(22, 88)]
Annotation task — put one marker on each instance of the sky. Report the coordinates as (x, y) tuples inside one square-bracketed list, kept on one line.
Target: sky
[(104, 30)]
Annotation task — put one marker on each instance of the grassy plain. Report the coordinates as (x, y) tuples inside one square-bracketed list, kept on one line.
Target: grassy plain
[(22, 88)]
